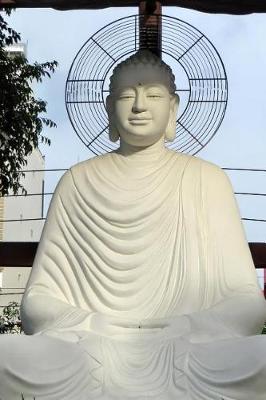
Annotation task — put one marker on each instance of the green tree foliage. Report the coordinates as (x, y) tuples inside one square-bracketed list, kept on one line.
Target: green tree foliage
[(10, 319), (21, 114)]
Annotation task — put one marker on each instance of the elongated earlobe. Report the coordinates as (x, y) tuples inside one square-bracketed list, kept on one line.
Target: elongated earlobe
[(113, 132), (170, 131), (171, 127)]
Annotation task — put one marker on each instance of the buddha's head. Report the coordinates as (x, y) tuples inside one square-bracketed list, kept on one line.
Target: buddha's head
[(142, 104)]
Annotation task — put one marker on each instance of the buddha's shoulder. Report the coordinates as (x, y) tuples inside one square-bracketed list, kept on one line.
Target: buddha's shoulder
[(205, 169), (195, 161), (79, 170), (91, 163)]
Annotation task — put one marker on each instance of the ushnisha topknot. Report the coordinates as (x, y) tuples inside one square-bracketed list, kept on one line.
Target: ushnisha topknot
[(145, 57)]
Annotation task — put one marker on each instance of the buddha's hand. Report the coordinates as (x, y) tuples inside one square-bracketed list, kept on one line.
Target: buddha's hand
[(67, 335), (169, 327), (105, 325)]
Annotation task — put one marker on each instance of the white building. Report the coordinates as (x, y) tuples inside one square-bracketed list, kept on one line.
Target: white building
[(23, 223), (16, 49), (21, 215)]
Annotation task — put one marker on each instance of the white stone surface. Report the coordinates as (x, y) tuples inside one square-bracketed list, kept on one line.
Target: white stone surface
[(143, 285)]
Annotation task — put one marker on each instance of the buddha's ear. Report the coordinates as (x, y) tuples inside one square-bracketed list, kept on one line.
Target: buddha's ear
[(109, 105), (171, 127), (113, 132)]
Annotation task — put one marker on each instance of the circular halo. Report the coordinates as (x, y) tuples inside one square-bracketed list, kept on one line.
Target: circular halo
[(201, 82)]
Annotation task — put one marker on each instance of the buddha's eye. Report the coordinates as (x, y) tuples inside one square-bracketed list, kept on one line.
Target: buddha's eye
[(154, 95), (125, 96)]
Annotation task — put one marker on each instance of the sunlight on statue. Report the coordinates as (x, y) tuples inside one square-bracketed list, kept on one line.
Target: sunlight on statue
[(143, 286)]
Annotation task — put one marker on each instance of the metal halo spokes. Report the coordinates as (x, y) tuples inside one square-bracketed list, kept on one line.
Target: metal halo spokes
[(200, 77)]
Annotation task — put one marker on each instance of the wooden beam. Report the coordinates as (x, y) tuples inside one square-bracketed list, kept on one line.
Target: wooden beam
[(21, 254), (209, 6), (258, 252), (17, 254)]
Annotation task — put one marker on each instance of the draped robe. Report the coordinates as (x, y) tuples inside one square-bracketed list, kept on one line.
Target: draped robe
[(142, 239)]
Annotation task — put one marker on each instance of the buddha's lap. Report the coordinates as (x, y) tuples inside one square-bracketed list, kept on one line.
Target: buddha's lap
[(229, 354), (43, 366), (36, 354), (41, 350), (234, 368), (39, 364)]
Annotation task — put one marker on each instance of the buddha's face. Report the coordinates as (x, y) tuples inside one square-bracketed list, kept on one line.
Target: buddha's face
[(141, 105)]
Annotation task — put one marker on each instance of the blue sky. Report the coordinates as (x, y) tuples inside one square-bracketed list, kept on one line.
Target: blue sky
[(241, 139)]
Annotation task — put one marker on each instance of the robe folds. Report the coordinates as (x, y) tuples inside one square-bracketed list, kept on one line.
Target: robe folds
[(154, 240)]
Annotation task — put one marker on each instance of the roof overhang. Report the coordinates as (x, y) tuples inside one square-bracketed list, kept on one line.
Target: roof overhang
[(210, 6)]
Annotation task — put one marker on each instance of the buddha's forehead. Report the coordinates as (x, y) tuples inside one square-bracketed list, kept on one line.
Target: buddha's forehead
[(132, 76)]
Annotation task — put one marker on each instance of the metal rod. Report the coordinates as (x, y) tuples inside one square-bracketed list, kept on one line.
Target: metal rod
[(29, 194), (42, 207), (245, 169)]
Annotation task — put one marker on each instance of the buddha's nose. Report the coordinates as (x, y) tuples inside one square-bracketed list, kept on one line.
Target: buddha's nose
[(139, 103)]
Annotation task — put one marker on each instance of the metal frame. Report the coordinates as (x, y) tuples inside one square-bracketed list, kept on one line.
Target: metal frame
[(190, 50)]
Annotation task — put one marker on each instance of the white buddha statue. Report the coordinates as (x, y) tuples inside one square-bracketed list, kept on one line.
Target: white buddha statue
[(143, 286)]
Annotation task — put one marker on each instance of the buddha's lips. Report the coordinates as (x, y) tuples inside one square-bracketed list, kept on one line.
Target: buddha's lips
[(139, 121), (139, 118)]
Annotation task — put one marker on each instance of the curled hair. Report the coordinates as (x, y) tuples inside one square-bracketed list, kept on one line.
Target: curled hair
[(145, 57)]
